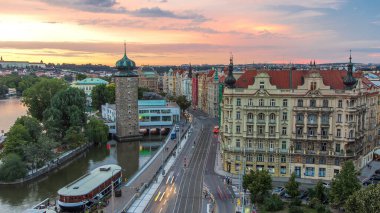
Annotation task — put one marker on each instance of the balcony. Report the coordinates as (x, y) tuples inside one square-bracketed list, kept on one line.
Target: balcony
[(312, 123), (261, 121), (250, 120), (272, 121), (228, 106), (299, 123), (325, 123)]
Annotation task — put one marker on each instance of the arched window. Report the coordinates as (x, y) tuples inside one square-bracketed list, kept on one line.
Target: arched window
[(272, 117), (261, 117)]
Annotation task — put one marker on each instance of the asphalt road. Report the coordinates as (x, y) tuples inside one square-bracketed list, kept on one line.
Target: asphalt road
[(181, 190)]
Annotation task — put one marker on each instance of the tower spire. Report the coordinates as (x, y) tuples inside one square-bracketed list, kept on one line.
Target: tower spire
[(350, 57), (349, 80), (125, 48), (230, 80)]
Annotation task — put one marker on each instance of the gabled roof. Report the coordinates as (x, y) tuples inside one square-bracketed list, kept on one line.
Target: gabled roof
[(281, 78)]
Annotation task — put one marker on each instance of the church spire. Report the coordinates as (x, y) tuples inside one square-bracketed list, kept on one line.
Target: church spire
[(190, 73), (230, 80), (349, 80), (125, 48)]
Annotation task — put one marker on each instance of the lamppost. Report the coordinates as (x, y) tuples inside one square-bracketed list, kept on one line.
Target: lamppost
[(113, 193)]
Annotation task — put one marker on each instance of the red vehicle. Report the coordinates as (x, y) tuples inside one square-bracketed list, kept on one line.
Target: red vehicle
[(216, 130)]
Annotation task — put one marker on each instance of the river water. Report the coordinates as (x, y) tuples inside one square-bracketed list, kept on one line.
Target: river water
[(16, 198)]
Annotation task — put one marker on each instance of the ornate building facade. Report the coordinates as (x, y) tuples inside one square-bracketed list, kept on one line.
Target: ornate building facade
[(303, 121)]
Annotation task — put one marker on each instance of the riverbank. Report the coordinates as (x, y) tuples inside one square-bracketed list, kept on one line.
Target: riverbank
[(60, 161)]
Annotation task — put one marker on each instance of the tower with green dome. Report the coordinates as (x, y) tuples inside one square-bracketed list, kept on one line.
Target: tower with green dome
[(126, 80)]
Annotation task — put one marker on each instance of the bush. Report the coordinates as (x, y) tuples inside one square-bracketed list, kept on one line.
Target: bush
[(273, 203), (295, 209), (296, 202), (314, 202), (12, 168)]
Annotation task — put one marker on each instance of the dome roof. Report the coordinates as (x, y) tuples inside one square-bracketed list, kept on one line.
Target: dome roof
[(230, 79), (126, 65)]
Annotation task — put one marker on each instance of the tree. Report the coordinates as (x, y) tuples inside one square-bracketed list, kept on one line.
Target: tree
[(111, 88), (344, 184), (37, 154), (12, 168), (141, 91), (27, 82), (96, 131), (32, 125), (182, 102), (17, 137), (319, 192), (67, 110), (364, 201), (258, 183), (273, 203), (292, 187), (74, 137), (68, 78), (38, 97), (3, 90), (81, 76)]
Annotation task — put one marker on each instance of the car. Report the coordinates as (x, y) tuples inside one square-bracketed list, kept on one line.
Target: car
[(375, 177), (377, 172), (216, 129), (326, 185), (278, 191), (302, 195)]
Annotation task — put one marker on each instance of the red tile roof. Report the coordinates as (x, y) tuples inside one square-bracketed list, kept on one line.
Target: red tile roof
[(281, 78)]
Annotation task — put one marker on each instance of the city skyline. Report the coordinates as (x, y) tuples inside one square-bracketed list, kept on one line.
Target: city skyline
[(165, 32)]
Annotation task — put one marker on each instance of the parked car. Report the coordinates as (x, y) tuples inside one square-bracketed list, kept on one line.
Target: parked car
[(375, 177), (326, 185), (278, 191), (302, 195), (377, 172)]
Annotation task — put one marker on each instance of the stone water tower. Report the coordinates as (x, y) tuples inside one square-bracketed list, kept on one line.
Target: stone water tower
[(127, 118)]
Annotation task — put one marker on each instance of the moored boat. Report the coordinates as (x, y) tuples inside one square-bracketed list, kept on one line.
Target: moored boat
[(89, 189)]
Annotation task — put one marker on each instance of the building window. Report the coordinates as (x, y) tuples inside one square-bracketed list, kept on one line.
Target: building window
[(313, 85), (325, 103), (249, 158), (250, 129), (260, 130), (237, 157), (351, 134), (313, 103), (299, 118), (237, 128), (271, 158), (340, 104), (261, 102), (272, 117), (226, 128), (309, 171), (250, 117), (260, 145), (337, 162), (339, 118), (323, 146), (238, 102), (299, 131), (271, 145), (250, 102), (322, 172), (325, 119), (237, 115), (300, 103), (271, 130), (338, 133), (249, 143), (261, 117), (324, 131), (272, 102), (337, 147), (283, 145), (283, 159), (260, 158), (283, 132), (298, 146), (322, 160), (285, 102), (283, 170), (310, 160), (284, 116), (310, 131), (237, 143), (261, 84)]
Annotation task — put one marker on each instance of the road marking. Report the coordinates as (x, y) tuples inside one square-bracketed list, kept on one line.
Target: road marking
[(220, 193), (160, 210), (157, 196), (162, 195)]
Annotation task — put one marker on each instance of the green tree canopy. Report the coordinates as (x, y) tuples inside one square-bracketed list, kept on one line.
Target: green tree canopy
[(38, 97), (32, 125), (96, 131), (17, 137), (141, 91), (258, 183), (67, 110), (81, 76), (111, 88), (344, 184), (38, 153), (365, 200), (12, 168), (3, 90), (182, 102), (74, 137), (292, 187)]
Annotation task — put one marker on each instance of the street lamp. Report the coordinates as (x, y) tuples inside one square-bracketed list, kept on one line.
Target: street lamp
[(113, 193)]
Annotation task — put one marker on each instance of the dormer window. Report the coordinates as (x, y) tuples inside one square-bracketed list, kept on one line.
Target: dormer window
[(261, 84), (313, 85)]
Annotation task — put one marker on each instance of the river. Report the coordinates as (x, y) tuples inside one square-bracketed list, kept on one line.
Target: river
[(17, 198)]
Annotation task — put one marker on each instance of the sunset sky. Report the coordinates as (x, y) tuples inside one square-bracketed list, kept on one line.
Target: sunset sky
[(173, 32)]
